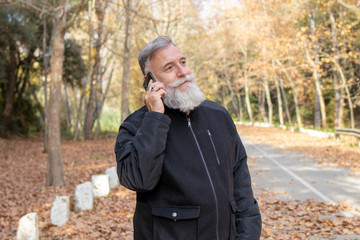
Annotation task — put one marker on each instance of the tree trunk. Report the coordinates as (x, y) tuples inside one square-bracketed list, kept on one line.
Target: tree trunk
[(341, 109), (240, 107), (294, 93), (247, 100), (247, 97), (9, 105), (319, 100), (319, 103), (68, 111), (55, 175), (95, 78), (37, 101), (103, 101), (127, 61), (268, 100), (280, 107), (336, 82), (90, 110), (78, 114), (285, 102), (337, 101), (85, 80), (45, 59), (348, 95), (97, 114), (261, 101), (229, 85)]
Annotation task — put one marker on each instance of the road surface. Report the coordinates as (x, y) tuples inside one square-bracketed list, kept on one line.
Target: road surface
[(294, 176)]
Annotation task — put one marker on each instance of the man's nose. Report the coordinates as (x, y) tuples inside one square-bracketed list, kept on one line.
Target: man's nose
[(181, 71)]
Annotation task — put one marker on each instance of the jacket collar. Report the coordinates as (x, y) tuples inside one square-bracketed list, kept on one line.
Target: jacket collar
[(172, 111)]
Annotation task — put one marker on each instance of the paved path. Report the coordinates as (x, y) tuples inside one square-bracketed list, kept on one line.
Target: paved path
[(297, 177)]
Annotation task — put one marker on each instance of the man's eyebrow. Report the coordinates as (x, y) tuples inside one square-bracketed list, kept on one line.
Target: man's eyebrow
[(167, 64), (171, 62)]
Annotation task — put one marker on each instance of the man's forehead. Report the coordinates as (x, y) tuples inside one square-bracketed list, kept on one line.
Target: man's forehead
[(168, 53), (163, 57)]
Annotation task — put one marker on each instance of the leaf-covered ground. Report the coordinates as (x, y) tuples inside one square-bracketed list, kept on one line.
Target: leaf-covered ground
[(22, 179)]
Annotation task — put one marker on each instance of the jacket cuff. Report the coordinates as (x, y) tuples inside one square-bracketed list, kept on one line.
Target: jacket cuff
[(248, 223)]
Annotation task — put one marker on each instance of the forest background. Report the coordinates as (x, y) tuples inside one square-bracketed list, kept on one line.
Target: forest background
[(68, 68)]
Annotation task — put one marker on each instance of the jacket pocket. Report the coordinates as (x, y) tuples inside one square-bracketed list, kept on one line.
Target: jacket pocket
[(174, 222), (213, 145), (232, 222)]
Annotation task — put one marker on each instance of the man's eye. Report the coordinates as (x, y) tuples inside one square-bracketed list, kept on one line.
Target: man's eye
[(168, 68)]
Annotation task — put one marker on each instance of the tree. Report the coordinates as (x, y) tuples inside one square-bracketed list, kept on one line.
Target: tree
[(125, 87), (19, 32), (59, 15), (73, 72), (95, 82), (339, 72)]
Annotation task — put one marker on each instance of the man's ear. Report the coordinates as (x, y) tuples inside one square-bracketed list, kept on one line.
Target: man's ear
[(147, 67)]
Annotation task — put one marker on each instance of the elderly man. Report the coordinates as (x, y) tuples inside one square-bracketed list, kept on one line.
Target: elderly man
[(183, 157)]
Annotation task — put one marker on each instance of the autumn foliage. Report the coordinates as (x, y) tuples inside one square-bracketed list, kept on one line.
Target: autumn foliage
[(23, 190)]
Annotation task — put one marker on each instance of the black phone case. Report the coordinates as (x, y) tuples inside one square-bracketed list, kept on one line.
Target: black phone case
[(148, 77)]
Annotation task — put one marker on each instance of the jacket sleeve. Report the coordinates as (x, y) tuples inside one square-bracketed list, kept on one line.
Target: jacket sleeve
[(140, 151), (247, 215)]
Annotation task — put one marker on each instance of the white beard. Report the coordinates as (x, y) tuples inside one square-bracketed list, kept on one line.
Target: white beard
[(186, 97)]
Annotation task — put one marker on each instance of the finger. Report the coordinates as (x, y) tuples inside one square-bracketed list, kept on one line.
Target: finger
[(153, 89), (162, 93), (150, 84), (156, 86)]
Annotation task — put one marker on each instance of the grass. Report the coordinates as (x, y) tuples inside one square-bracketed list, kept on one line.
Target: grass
[(110, 120)]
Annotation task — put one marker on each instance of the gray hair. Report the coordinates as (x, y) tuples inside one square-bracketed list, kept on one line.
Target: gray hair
[(151, 48)]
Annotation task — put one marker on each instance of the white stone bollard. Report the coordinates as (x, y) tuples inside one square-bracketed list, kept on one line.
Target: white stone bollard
[(60, 209), (28, 228), (101, 187), (84, 197), (113, 177)]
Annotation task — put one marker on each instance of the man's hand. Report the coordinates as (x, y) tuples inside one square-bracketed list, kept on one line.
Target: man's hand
[(153, 96)]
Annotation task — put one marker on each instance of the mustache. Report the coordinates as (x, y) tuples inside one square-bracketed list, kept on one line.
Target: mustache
[(187, 78)]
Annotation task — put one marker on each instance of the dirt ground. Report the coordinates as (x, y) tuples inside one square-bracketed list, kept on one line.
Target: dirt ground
[(22, 179)]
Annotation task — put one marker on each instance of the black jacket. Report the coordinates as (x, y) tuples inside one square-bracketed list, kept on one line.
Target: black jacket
[(190, 173)]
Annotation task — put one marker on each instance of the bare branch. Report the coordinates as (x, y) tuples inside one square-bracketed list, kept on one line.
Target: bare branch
[(77, 9), (43, 7), (356, 8)]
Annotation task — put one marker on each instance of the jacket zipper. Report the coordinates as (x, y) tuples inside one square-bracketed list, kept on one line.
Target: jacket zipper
[(208, 174), (212, 142)]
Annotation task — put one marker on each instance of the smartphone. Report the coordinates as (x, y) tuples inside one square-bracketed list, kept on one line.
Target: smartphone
[(148, 77)]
